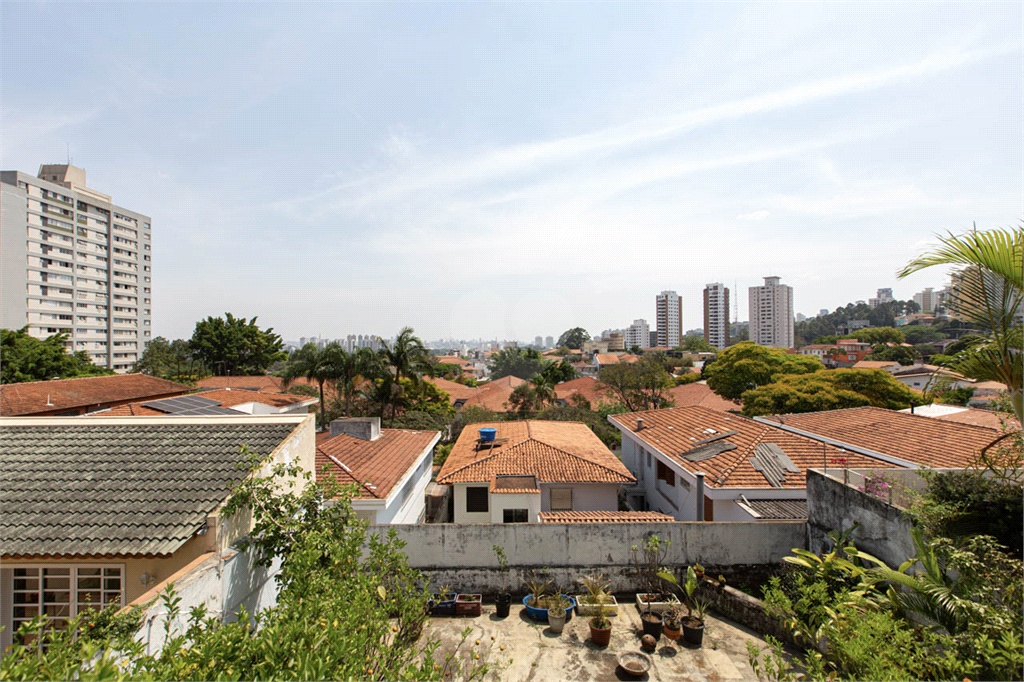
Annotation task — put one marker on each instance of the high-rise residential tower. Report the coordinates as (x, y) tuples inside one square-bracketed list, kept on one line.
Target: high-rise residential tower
[(72, 261), (716, 315), (638, 334), (771, 314), (669, 316)]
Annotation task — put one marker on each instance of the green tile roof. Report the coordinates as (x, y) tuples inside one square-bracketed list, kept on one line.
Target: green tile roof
[(96, 489)]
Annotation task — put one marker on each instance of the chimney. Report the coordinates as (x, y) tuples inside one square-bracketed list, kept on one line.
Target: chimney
[(700, 495), (367, 428), (640, 424)]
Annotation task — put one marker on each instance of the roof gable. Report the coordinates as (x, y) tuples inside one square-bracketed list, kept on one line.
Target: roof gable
[(376, 466)]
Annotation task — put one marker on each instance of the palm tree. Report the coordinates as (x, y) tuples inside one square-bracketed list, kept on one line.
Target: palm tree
[(322, 365), (408, 358), (988, 290), (543, 389), (360, 363)]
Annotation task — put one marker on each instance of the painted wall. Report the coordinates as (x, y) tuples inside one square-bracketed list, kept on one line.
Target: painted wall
[(407, 504), (462, 555), (528, 501), (585, 496)]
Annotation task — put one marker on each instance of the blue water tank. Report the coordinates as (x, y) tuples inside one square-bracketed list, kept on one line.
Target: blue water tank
[(488, 434)]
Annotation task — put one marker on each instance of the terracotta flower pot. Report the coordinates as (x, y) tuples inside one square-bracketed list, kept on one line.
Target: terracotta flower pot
[(671, 633), (601, 636)]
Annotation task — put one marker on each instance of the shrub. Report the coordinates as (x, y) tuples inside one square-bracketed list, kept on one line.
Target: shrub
[(963, 503)]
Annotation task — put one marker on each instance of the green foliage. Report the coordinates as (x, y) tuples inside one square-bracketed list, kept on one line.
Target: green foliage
[(883, 315), (26, 358), (349, 607), (523, 363), (558, 372), (829, 390), (877, 335), (917, 334), (573, 338), (900, 354), (407, 358), (961, 504), (952, 396), (172, 360), (441, 453), (747, 366), (230, 345), (473, 414), (304, 389), (695, 344), (596, 420), (639, 386), (688, 378)]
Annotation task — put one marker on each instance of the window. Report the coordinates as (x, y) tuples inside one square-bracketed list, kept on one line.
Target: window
[(476, 499), (62, 592), (516, 516), (561, 499), (666, 474)]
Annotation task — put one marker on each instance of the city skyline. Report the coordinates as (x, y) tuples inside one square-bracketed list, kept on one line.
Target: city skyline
[(444, 176)]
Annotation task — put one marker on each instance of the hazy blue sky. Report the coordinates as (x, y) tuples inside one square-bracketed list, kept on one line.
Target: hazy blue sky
[(509, 170)]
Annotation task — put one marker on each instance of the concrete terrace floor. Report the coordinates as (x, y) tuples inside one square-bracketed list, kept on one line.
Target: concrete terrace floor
[(536, 653)]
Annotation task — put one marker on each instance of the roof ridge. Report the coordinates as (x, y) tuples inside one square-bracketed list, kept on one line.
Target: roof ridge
[(570, 454), (348, 470)]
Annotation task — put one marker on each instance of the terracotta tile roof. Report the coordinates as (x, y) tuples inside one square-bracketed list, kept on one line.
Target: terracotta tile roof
[(923, 370), (874, 364), (455, 390), (374, 465), (678, 430), (604, 517), (514, 485), (606, 358), (453, 360), (986, 418), (35, 397), (910, 437), (494, 394), (562, 452), (226, 398), (258, 383), (990, 386), (587, 387), (698, 393)]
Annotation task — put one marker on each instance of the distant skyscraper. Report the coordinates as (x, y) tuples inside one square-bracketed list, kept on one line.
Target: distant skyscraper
[(654, 338), (771, 314), (800, 317), (669, 316), (638, 334), (927, 299), (716, 315), (549, 342), (538, 341), (823, 311)]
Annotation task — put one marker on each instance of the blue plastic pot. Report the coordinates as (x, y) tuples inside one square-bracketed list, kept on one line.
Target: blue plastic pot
[(541, 615)]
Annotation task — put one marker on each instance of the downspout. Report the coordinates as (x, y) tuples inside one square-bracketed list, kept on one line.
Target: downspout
[(700, 495)]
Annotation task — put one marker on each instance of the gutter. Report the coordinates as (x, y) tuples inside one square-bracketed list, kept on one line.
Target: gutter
[(840, 444)]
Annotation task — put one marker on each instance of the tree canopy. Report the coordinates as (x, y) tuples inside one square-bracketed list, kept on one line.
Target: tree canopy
[(234, 345), (638, 386), (747, 365), (26, 358), (695, 344), (876, 335), (829, 390), (172, 360), (573, 338), (518, 362), (900, 354)]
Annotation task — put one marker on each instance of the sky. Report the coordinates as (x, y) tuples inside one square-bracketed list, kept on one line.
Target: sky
[(510, 170)]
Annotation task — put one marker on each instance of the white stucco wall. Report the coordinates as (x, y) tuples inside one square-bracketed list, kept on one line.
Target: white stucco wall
[(500, 502), (461, 515), (407, 501), (585, 496)]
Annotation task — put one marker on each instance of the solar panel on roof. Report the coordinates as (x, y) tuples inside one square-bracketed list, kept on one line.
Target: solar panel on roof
[(180, 404), (699, 454)]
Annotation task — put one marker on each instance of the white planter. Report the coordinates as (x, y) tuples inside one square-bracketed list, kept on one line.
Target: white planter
[(611, 607), (556, 621), (657, 606)]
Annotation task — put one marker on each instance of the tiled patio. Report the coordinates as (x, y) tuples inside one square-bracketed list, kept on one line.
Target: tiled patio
[(519, 649)]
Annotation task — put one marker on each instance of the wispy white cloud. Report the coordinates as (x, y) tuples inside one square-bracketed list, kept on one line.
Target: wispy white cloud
[(755, 216)]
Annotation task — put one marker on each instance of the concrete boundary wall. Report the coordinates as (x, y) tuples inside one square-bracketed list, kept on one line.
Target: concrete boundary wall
[(461, 555)]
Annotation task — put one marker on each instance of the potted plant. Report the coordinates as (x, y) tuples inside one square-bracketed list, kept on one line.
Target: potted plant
[(698, 571), (442, 602), (672, 625), (595, 597), (647, 562), (538, 602), (468, 604), (693, 624), (503, 600), (696, 608), (651, 621), (557, 611)]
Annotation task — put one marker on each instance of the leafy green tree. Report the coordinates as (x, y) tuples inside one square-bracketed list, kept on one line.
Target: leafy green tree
[(639, 386), (900, 354), (573, 338), (360, 364), (877, 335), (829, 390), (518, 362), (409, 359), (172, 360), (989, 292), (952, 396), (747, 365), (695, 344), (688, 378), (233, 345), (917, 334), (322, 365), (26, 358), (524, 400), (558, 372)]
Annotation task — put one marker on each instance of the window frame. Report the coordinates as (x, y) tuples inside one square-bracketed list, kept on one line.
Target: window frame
[(476, 493), (665, 473), (551, 499), (524, 513)]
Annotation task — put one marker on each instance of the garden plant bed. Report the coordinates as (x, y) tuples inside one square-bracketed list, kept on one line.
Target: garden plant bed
[(585, 608), (660, 603)]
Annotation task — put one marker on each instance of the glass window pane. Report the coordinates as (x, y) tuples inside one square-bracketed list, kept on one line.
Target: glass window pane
[(25, 612), (56, 597), (22, 572), (57, 571), (112, 584), (112, 571), (89, 571), (56, 583), (88, 583), (86, 598), (61, 610), (26, 583)]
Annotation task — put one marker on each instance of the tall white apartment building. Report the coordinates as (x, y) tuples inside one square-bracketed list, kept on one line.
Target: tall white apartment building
[(669, 318), (638, 334), (771, 314), (71, 261), (883, 296), (927, 299), (716, 315)]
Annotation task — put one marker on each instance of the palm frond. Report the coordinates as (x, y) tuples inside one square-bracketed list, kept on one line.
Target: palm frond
[(997, 250)]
